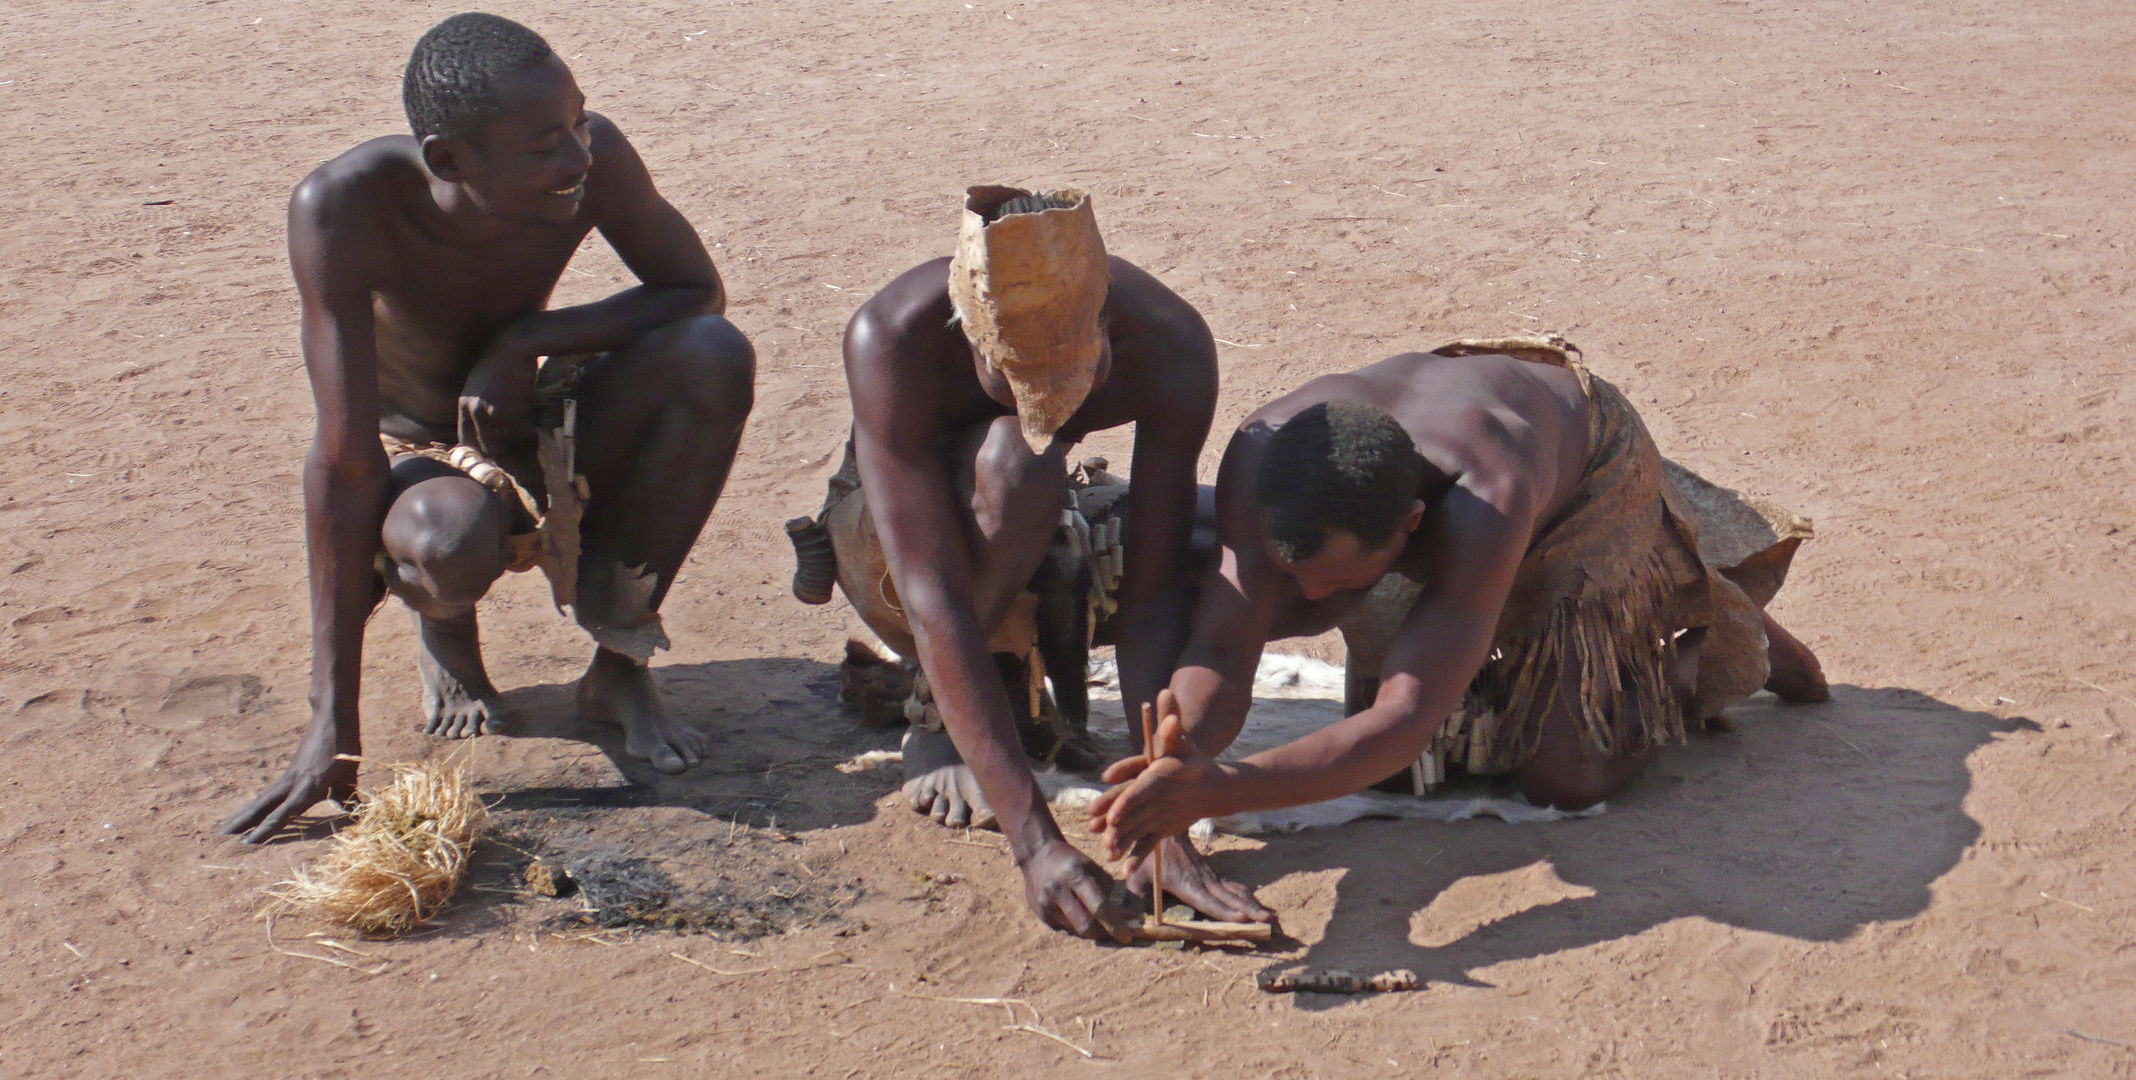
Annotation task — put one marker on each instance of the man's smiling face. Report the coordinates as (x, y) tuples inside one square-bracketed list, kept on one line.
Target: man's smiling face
[(529, 163)]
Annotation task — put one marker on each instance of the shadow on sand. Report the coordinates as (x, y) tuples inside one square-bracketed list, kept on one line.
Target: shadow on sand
[(1809, 822), (778, 727)]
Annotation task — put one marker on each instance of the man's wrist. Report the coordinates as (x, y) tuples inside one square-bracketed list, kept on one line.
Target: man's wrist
[(1038, 833), (344, 734), (1224, 792)]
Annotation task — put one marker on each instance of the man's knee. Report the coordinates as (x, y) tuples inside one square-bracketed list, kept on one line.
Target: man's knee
[(446, 538), (711, 363), (1004, 458), (1006, 477)]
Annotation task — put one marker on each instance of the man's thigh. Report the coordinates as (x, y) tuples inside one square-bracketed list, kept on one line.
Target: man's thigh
[(702, 364), (863, 566)]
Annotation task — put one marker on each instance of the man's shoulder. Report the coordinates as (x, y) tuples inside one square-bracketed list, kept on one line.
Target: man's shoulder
[(1138, 294), (358, 181), (914, 301), (603, 130), (609, 145)]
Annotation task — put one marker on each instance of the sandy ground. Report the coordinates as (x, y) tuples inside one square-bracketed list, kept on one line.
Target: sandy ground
[(1871, 259)]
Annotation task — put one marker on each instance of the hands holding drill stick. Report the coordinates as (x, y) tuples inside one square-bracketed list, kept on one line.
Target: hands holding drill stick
[(1157, 795)]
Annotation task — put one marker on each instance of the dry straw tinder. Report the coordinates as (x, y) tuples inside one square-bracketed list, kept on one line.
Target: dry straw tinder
[(399, 863)]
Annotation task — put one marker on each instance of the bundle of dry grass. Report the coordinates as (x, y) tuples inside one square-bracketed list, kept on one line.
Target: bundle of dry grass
[(399, 863)]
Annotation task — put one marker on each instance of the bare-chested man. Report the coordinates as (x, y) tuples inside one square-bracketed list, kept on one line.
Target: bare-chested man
[(971, 380), (1554, 601), (423, 265)]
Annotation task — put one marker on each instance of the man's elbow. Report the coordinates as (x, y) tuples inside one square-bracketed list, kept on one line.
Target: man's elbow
[(1401, 698)]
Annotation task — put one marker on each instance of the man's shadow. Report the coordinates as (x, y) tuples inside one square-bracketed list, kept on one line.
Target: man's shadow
[(778, 732), (1810, 822)]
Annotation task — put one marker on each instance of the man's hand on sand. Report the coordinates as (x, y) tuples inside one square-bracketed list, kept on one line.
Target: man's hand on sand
[(316, 772), (497, 401), (1191, 880), (1068, 891)]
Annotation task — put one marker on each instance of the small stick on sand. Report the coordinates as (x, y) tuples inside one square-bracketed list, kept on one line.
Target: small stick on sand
[(1337, 982), (1206, 933)]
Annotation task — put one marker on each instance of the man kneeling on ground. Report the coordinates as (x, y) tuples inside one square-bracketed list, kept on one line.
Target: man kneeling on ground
[(447, 450), (1536, 590)]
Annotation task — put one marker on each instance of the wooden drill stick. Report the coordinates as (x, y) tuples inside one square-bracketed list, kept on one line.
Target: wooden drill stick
[(1149, 750)]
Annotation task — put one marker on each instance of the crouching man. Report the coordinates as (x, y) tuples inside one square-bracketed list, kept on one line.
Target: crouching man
[(972, 378), (464, 430)]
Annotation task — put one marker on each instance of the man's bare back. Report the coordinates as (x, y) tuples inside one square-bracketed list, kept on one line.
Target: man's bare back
[(1498, 424), (424, 264)]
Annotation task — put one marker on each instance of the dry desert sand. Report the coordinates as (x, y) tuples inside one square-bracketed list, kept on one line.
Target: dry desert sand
[(1871, 259)]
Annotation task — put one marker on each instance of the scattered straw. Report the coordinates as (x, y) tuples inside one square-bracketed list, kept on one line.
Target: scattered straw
[(398, 864)]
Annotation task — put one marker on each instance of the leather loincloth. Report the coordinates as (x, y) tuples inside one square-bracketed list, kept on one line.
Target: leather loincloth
[(547, 536)]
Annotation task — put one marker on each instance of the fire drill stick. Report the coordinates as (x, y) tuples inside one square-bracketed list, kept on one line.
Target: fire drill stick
[(1149, 750)]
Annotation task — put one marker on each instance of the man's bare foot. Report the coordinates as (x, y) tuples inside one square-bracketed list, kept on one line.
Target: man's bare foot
[(617, 690), (458, 700), (1796, 676), (941, 785)]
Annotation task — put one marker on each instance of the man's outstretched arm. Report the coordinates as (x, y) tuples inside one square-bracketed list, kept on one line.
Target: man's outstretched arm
[(1473, 547), (332, 250), (1213, 684)]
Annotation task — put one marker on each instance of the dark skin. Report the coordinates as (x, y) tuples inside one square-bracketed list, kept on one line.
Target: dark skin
[(1505, 442), (424, 268), (931, 420)]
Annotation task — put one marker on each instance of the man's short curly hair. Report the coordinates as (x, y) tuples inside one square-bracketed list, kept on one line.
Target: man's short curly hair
[(1336, 465), (450, 86)]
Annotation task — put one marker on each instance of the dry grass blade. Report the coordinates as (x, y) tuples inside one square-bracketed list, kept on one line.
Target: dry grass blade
[(334, 960), (1007, 1003), (399, 863), (716, 971), (1035, 1030), (2102, 689)]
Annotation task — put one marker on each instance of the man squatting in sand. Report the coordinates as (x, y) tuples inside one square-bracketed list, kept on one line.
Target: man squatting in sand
[(971, 379), (444, 452), (1537, 591)]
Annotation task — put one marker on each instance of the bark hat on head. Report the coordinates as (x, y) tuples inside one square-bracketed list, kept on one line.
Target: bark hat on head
[(1028, 283)]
